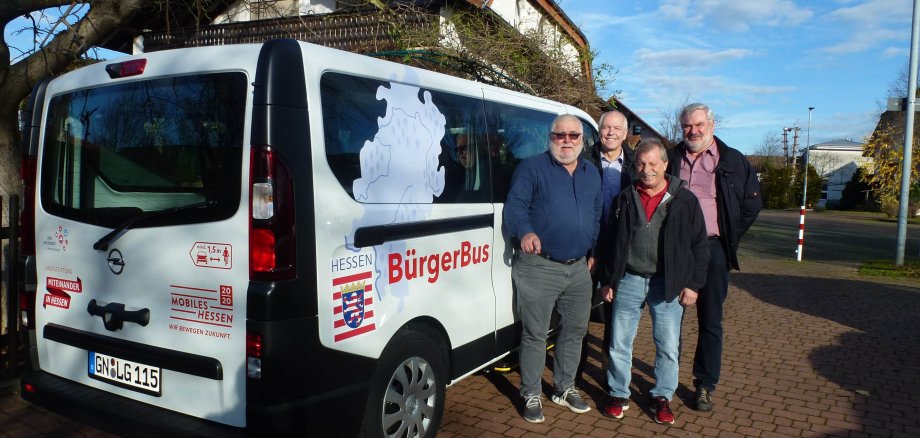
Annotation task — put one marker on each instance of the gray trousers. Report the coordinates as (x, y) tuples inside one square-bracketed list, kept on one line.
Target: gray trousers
[(540, 285)]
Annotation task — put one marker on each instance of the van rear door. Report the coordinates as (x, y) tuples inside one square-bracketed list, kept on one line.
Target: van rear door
[(141, 232)]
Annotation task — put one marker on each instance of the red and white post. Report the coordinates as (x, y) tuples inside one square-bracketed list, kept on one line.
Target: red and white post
[(798, 256)]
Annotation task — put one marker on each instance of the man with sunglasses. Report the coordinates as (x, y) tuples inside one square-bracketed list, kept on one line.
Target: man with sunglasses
[(553, 214)]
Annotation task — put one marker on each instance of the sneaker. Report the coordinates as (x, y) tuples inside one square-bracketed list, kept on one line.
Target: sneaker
[(662, 411), (615, 407), (570, 399), (703, 399), (533, 409)]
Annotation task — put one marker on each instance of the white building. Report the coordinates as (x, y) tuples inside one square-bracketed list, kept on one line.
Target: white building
[(835, 161)]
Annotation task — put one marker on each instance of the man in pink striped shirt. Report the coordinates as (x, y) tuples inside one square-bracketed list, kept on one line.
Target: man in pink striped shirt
[(729, 194)]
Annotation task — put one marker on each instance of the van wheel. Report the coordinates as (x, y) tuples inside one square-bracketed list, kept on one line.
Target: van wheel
[(408, 389)]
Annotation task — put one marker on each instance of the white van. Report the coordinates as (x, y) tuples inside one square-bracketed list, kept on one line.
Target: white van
[(269, 238)]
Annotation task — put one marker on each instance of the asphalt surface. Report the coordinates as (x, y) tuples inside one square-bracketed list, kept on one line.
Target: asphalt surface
[(811, 349)]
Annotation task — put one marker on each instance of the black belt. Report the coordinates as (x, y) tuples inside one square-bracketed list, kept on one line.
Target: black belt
[(713, 237), (639, 274), (564, 262)]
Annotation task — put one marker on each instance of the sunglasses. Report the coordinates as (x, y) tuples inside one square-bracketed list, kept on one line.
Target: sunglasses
[(562, 135)]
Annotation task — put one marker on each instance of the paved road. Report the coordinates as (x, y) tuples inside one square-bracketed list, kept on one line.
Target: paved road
[(832, 237), (812, 350)]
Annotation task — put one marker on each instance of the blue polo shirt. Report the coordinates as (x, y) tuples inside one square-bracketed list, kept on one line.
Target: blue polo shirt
[(562, 210)]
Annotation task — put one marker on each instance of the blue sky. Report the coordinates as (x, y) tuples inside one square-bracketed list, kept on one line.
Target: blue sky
[(758, 63)]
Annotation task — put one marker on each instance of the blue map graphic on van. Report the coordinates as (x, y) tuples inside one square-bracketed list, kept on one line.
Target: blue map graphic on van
[(400, 165), (400, 171)]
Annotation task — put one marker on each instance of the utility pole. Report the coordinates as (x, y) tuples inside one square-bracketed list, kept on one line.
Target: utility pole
[(785, 147), (908, 137), (795, 144)]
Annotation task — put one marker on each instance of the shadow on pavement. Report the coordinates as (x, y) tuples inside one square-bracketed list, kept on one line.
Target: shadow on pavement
[(874, 333)]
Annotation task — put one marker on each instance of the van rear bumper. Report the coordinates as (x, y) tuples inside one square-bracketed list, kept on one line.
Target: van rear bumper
[(114, 413)]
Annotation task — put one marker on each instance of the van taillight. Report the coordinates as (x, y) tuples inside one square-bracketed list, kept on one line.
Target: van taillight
[(124, 69), (27, 171), (254, 355), (272, 243), (26, 312)]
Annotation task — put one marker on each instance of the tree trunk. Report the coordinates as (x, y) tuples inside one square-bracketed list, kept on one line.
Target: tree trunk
[(9, 157), (17, 80)]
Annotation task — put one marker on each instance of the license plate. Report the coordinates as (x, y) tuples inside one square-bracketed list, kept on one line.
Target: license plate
[(125, 373)]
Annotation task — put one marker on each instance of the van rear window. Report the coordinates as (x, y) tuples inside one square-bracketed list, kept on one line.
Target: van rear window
[(113, 152)]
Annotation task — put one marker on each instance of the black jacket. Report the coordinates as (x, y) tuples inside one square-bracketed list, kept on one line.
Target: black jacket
[(683, 248), (737, 195)]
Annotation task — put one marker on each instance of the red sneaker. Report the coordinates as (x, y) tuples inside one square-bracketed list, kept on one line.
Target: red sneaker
[(662, 411), (615, 407)]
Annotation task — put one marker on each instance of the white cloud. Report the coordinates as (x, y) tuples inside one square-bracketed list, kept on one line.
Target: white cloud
[(692, 59), (734, 15), (894, 52), (594, 21), (856, 126), (874, 13), (703, 85), (862, 41), (869, 24)]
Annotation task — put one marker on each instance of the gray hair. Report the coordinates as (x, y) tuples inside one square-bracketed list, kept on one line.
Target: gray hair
[(689, 109), (600, 121), (562, 117), (651, 144)]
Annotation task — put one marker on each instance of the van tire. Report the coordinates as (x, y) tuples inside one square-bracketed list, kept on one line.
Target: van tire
[(408, 388)]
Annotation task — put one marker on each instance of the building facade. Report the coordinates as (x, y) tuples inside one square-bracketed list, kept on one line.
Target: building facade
[(835, 161)]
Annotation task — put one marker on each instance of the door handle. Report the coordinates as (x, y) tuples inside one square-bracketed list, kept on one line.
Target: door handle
[(114, 315)]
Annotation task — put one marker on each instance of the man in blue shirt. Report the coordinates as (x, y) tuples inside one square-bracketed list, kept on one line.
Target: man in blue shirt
[(553, 211), (614, 159)]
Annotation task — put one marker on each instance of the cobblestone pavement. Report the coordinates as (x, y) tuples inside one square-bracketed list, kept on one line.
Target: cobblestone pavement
[(811, 350)]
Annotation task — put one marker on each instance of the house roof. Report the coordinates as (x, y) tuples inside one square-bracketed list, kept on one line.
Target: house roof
[(621, 107), (838, 145)]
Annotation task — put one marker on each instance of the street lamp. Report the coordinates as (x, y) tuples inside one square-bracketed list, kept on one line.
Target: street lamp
[(798, 255), (805, 158)]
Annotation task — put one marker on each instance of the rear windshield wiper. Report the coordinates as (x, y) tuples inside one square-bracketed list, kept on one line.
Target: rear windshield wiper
[(103, 243)]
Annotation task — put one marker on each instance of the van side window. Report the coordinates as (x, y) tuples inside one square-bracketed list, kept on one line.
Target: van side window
[(514, 133), (373, 142), (464, 150), (350, 113), (590, 137)]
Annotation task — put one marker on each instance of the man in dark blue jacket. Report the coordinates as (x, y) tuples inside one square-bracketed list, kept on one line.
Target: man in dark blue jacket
[(729, 194), (553, 214)]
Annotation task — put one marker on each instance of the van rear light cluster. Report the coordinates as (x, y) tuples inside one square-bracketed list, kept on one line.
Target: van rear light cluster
[(253, 355), (124, 69), (272, 244), (25, 310)]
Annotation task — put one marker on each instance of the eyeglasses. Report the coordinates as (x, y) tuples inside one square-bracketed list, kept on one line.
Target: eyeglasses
[(562, 135)]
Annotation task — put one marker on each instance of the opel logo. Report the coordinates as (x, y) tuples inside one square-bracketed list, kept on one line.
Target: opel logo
[(116, 263)]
